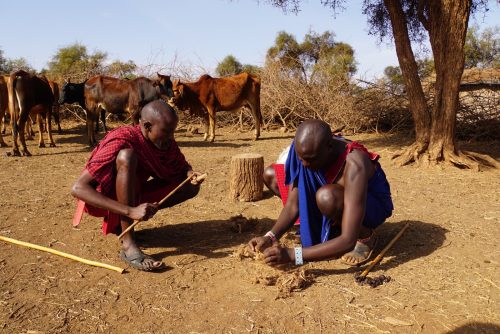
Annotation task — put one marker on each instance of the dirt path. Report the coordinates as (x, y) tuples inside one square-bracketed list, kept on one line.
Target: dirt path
[(443, 269)]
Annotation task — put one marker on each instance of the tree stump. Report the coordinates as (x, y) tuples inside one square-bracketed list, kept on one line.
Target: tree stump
[(246, 180)]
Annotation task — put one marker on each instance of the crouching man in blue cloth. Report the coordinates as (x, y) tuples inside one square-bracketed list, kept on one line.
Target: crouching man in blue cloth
[(340, 193)]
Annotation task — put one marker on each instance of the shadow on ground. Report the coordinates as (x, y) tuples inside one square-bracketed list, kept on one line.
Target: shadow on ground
[(476, 328), (204, 238), (419, 240)]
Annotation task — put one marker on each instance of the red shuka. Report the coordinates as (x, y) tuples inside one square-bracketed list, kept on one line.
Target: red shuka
[(167, 167)]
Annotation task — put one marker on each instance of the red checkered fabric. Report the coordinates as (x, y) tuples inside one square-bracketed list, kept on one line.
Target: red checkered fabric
[(279, 173)]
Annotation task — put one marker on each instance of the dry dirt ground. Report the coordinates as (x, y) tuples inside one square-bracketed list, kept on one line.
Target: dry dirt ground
[(444, 269)]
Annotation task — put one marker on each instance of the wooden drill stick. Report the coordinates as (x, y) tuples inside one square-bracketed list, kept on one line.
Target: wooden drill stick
[(199, 178), (66, 255), (382, 253)]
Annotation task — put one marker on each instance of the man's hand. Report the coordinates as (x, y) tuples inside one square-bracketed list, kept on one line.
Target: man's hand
[(143, 211), (194, 175), (259, 244), (278, 255)]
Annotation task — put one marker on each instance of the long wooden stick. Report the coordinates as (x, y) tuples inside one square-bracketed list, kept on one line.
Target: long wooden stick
[(199, 178), (382, 253), (66, 255)]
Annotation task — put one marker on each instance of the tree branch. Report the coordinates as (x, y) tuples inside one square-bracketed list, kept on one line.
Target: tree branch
[(422, 4)]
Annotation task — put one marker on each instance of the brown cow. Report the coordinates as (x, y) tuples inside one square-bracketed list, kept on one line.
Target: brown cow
[(29, 95), (209, 95), (4, 104), (54, 86), (118, 96)]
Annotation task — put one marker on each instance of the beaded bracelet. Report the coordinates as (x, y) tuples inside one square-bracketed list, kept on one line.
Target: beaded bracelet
[(298, 256)]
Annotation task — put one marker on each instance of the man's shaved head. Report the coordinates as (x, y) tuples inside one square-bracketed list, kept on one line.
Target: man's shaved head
[(314, 144), (158, 111), (158, 123), (313, 132)]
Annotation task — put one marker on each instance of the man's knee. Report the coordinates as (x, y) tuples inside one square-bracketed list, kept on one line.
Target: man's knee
[(191, 190), (330, 199), (269, 176), (126, 159)]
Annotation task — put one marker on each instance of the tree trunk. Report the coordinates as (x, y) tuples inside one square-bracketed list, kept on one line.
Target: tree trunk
[(409, 70), (246, 180), (448, 21)]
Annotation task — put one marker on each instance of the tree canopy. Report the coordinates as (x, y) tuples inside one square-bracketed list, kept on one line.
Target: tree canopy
[(482, 49), (318, 54)]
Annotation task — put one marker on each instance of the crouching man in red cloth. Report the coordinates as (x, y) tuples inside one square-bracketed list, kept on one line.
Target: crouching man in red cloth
[(129, 172)]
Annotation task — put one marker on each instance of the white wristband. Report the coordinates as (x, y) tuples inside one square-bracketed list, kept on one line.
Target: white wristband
[(271, 235), (298, 256)]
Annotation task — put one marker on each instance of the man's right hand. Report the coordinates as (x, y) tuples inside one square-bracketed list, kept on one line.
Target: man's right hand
[(260, 243), (143, 211)]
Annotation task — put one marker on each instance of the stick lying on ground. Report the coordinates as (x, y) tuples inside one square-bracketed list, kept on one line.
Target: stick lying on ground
[(382, 253), (66, 255), (199, 178)]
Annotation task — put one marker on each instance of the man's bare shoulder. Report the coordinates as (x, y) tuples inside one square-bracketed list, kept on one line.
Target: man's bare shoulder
[(359, 162)]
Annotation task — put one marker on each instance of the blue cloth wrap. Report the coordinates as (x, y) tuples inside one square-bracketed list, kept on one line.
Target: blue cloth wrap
[(378, 204)]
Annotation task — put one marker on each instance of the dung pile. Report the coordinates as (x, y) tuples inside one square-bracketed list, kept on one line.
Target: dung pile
[(373, 282)]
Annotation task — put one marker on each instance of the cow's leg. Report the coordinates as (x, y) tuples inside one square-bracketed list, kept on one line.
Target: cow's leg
[(206, 123), (257, 117), (39, 119), (4, 127), (57, 119), (23, 118), (15, 132), (2, 124), (90, 126), (29, 129), (103, 120), (211, 137), (48, 119)]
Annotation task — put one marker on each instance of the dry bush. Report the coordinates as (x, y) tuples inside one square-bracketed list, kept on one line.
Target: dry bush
[(478, 117), (287, 100), (383, 107)]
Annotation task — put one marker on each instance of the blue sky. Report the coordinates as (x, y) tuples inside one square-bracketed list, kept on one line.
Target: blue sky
[(200, 32)]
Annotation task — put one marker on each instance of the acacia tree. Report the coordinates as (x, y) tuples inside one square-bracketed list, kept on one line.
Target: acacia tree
[(317, 55), (445, 23)]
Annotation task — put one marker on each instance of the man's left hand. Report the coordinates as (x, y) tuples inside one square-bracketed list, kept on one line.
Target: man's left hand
[(278, 255)]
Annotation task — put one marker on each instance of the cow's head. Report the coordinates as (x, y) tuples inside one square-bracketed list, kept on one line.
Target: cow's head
[(71, 93), (178, 95), (164, 84)]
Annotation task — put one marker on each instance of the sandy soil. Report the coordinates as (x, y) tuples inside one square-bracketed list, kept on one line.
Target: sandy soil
[(443, 269)]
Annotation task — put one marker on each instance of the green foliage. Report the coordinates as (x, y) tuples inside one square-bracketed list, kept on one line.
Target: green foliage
[(229, 66), (252, 69), (482, 49), (18, 64), (3, 62), (8, 65), (124, 70), (318, 55), (74, 61)]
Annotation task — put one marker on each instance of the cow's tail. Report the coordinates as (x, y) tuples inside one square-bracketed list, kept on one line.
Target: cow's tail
[(13, 102)]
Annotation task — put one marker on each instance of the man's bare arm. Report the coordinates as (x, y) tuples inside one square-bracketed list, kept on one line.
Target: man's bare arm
[(358, 170), (83, 189)]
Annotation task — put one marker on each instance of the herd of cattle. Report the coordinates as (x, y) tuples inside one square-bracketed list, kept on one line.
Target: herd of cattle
[(26, 96)]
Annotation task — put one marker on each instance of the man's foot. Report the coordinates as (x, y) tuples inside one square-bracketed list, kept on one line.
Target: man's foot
[(140, 261), (361, 252)]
